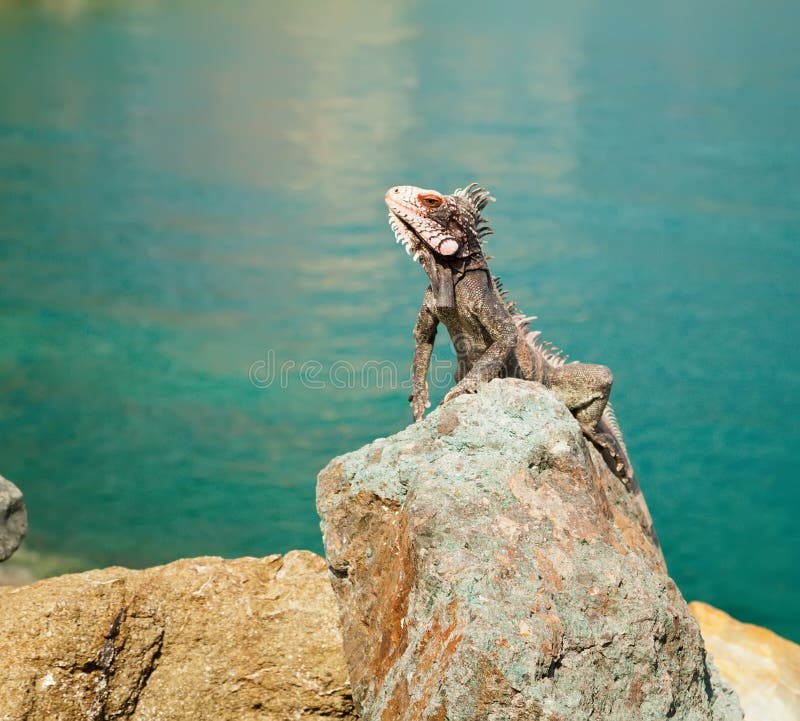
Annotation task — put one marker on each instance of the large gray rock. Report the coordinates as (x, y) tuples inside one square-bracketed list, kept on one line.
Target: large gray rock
[(489, 567), (13, 518)]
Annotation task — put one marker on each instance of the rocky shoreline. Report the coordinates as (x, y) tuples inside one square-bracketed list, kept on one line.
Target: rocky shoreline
[(190, 647), (482, 565)]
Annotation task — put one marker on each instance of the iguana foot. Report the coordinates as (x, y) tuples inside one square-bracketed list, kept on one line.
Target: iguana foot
[(419, 402), (607, 446), (466, 385)]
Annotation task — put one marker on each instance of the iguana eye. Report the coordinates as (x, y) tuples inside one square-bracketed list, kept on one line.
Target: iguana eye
[(430, 201)]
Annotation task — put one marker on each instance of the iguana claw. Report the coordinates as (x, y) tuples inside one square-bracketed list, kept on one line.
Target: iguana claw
[(467, 385), (607, 445)]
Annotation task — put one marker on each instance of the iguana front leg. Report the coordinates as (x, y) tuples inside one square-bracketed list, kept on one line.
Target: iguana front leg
[(424, 336), (490, 365)]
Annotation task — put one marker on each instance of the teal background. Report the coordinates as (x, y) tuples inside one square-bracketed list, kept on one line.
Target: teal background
[(187, 186)]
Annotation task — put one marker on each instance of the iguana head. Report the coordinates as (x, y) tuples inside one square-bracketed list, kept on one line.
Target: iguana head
[(448, 226)]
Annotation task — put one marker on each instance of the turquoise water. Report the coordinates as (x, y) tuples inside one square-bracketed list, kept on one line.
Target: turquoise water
[(187, 189)]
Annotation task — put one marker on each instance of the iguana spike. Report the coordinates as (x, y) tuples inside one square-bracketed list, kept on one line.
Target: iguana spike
[(478, 198)]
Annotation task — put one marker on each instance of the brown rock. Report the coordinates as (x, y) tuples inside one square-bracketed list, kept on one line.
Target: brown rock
[(762, 667), (197, 639)]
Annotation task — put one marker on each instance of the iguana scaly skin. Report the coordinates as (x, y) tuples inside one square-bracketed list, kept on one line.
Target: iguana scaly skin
[(444, 233)]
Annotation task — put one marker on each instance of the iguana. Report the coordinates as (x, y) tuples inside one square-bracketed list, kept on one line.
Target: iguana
[(491, 338)]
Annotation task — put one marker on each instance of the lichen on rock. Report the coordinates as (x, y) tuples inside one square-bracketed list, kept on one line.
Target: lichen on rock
[(489, 566)]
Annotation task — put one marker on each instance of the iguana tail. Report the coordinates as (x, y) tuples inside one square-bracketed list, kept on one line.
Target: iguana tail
[(608, 424)]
